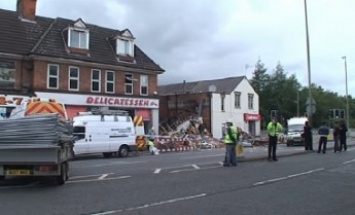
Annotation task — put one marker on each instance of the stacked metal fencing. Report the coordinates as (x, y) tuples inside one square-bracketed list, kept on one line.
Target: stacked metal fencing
[(48, 129)]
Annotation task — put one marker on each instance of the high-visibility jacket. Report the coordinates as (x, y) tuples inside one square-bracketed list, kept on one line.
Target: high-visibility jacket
[(150, 143), (273, 129), (228, 139)]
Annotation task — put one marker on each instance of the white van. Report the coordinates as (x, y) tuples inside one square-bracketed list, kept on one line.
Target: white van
[(104, 133), (294, 131)]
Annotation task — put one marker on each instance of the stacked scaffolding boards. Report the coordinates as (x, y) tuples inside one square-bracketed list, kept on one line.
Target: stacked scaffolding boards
[(48, 129)]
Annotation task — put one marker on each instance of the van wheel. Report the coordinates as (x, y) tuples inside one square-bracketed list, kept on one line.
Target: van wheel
[(107, 154), (123, 151)]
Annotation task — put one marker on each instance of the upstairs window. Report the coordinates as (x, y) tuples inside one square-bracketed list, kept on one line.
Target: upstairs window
[(251, 101), (53, 76), (125, 47), (95, 80), (222, 102), (129, 84), (78, 39), (237, 99), (110, 82), (73, 78), (144, 85)]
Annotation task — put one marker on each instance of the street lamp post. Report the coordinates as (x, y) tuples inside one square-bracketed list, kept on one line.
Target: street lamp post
[(309, 113), (346, 93)]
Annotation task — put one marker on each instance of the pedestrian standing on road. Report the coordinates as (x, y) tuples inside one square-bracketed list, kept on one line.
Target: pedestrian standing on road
[(323, 131), (336, 137), (273, 128), (230, 139), (308, 137), (150, 145), (342, 136)]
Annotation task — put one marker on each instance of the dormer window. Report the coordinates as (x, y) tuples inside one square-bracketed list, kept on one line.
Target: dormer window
[(124, 44), (78, 39), (78, 35), (125, 47)]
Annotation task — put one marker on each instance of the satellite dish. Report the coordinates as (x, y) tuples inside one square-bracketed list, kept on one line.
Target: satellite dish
[(212, 88)]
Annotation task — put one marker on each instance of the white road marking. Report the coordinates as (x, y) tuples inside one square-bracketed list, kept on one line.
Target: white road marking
[(157, 171), (93, 180), (350, 161), (88, 176), (195, 166), (202, 156), (103, 176), (221, 163), (287, 177), (154, 204)]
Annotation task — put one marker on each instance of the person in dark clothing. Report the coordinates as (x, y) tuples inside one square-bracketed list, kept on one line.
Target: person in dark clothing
[(342, 136), (323, 131), (336, 136), (307, 135)]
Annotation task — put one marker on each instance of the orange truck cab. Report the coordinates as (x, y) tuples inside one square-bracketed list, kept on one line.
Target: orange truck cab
[(39, 106)]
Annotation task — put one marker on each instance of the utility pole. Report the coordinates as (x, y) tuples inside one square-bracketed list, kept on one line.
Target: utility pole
[(347, 96), (309, 114)]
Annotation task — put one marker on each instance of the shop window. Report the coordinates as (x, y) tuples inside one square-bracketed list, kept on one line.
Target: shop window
[(53, 76), (129, 84), (110, 82), (95, 80), (73, 78), (144, 85)]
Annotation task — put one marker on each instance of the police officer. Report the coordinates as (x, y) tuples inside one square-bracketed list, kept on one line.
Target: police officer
[(273, 128), (230, 139)]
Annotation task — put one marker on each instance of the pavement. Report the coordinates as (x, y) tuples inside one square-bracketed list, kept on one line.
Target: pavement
[(193, 182)]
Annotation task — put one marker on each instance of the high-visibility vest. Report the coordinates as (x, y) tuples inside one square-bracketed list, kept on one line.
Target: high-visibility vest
[(228, 139)]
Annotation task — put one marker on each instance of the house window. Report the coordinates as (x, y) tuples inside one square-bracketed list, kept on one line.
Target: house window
[(73, 78), (237, 99), (53, 76), (251, 101), (78, 39), (125, 47), (110, 82), (222, 102), (144, 85), (7, 72), (95, 80), (129, 84)]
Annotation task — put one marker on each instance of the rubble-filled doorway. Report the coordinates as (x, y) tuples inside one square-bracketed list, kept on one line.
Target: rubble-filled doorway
[(251, 128)]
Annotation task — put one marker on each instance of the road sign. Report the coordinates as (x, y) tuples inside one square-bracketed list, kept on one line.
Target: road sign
[(311, 109)]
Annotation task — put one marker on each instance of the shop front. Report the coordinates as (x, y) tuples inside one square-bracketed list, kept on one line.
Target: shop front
[(251, 120), (146, 107)]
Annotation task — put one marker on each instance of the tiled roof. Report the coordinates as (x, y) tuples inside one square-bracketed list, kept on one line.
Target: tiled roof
[(225, 85), (45, 38)]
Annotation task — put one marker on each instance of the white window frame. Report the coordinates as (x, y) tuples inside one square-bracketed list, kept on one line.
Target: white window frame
[(52, 76), (109, 81), (95, 80), (86, 32), (129, 47), (250, 101), (130, 84), (237, 102), (142, 85), (73, 78)]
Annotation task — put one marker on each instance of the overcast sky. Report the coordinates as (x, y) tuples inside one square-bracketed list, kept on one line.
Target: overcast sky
[(208, 39)]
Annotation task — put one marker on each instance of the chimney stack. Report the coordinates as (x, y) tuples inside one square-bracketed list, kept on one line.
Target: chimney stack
[(27, 9)]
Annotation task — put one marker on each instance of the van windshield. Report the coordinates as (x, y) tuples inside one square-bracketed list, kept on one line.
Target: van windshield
[(295, 128)]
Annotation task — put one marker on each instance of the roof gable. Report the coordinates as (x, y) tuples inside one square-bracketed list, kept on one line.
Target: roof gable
[(79, 24), (225, 85)]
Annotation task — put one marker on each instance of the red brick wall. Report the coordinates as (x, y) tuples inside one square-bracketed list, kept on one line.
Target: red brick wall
[(40, 80)]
